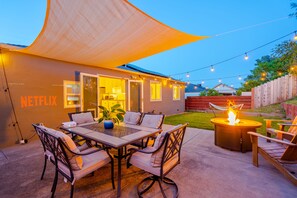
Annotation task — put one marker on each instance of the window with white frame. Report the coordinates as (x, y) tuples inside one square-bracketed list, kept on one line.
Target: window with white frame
[(176, 92), (156, 90)]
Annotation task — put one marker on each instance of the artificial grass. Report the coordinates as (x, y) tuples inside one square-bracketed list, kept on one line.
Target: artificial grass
[(201, 120)]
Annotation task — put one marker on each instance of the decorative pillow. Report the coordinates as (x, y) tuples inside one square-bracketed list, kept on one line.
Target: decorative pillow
[(76, 161), (132, 117), (82, 118), (152, 121), (156, 158)]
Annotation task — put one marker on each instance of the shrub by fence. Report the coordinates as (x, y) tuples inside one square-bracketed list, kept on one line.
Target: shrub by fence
[(194, 103), (276, 91), (291, 110)]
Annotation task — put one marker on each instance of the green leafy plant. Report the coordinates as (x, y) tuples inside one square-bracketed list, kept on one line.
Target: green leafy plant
[(115, 113)]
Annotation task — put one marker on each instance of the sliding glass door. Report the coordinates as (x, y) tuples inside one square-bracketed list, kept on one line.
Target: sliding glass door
[(89, 93)]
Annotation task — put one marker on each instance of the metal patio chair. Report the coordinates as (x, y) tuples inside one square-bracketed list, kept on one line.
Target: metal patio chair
[(149, 120), (71, 163), (160, 159)]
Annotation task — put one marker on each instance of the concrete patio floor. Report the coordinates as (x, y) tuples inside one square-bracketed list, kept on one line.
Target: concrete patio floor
[(205, 171)]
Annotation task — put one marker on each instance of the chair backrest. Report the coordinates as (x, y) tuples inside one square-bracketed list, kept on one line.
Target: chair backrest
[(293, 129), (62, 148), (170, 147), (42, 137), (133, 118), (152, 120), (290, 153), (81, 117)]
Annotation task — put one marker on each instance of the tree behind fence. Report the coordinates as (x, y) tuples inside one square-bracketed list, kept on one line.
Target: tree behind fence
[(276, 91)]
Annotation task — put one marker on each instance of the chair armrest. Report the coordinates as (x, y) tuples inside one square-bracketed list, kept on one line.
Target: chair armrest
[(83, 152), (278, 120), (275, 132), (133, 150), (287, 124), (271, 139), (269, 121), (90, 152)]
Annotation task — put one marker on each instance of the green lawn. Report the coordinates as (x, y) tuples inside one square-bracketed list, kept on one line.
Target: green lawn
[(202, 120)]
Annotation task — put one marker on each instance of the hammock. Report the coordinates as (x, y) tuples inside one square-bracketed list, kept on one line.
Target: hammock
[(220, 108)]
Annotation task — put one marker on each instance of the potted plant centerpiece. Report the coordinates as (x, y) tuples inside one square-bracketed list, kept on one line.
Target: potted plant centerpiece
[(111, 116)]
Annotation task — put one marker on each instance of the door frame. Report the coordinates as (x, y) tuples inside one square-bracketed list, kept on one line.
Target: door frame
[(141, 94), (82, 91)]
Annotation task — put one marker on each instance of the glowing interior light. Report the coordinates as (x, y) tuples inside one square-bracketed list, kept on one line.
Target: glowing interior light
[(188, 75), (295, 36), (220, 80), (202, 82), (239, 78)]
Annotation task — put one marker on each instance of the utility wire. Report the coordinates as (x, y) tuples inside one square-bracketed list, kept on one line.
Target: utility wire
[(239, 55), (240, 75), (252, 26)]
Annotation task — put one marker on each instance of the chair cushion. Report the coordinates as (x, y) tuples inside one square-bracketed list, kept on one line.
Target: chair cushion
[(92, 162), (142, 161), (132, 117), (81, 118), (75, 160), (152, 121), (156, 157)]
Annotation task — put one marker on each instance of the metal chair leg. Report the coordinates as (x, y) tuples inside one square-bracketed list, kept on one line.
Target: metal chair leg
[(55, 183), (44, 166), (112, 174), (160, 185), (72, 189), (153, 179)]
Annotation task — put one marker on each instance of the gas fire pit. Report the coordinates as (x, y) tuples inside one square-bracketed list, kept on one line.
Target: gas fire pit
[(234, 136)]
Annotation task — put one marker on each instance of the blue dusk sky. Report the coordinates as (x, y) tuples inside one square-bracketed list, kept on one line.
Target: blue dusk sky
[(233, 26)]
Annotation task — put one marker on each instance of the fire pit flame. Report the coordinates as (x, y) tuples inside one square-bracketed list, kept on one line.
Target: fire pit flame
[(232, 116)]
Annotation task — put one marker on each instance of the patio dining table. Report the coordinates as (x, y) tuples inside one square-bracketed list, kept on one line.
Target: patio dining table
[(117, 138)]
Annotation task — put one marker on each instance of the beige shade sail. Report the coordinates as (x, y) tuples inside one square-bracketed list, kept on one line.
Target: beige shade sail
[(103, 33)]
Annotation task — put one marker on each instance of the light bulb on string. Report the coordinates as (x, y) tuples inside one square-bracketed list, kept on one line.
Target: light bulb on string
[(246, 57), (212, 69), (220, 80), (239, 78), (232, 85), (295, 36), (188, 82), (188, 75), (202, 82)]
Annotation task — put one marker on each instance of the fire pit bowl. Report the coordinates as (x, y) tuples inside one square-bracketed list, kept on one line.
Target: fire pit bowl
[(234, 137)]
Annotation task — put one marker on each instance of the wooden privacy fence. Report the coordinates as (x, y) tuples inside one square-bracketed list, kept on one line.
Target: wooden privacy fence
[(276, 91), (194, 103)]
